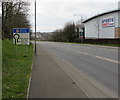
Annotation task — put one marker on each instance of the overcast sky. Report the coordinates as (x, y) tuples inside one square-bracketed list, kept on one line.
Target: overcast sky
[(53, 14)]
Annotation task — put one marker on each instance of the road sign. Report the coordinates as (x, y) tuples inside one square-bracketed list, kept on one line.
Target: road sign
[(21, 36), (16, 37)]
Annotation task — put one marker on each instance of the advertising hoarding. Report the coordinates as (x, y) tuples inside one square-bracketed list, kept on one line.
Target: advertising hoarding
[(107, 22)]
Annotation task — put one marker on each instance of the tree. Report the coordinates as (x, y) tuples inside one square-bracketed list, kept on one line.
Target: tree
[(58, 35), (69, 32), (14, 15)]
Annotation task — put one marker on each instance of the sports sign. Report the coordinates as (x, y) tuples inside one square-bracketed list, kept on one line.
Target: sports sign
[(21, 36), (107, 22)]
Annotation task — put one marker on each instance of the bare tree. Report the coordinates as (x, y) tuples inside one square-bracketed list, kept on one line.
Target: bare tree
[(69, 33), (14, 14)]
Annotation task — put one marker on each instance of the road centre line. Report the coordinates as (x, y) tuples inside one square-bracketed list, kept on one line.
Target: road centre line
[(82, 52), (110, 60), (107, 59), (99, 57)]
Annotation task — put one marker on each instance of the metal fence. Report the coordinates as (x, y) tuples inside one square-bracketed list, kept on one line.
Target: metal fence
[(101, 41)]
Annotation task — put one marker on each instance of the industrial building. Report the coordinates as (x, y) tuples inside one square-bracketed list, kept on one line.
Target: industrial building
[(105, 25)]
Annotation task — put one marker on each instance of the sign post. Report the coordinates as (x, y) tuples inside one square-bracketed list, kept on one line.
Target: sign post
[(21, 36), (16, 37), (81, 34)]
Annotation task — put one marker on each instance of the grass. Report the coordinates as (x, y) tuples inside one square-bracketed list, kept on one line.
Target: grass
[(0, 68), (16, 69)]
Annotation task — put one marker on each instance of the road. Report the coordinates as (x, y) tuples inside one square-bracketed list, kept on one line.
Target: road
[(93, 68)]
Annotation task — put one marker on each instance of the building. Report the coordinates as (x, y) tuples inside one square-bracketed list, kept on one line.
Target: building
[(105, 25)]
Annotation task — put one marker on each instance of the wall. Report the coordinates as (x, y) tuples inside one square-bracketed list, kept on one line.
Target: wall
[(117, 32), (119, 20), (90, 29)]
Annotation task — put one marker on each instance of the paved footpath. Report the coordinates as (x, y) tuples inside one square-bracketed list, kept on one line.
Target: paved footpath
[(50, 81)]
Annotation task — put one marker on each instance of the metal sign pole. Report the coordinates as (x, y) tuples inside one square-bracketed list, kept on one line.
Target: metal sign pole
[(15, 49), (26, 51), (21, 36), (81, 40)]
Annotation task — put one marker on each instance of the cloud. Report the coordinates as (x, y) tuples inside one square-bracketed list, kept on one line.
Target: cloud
[(53, 14)]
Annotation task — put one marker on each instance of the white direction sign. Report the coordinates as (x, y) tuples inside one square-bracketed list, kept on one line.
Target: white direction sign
[(21, 36)]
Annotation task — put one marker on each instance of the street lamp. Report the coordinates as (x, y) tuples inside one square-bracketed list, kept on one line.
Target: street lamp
[(35, 27), (81, 28)]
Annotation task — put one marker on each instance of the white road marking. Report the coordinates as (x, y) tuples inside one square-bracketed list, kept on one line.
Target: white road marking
[(114, 61), (99, 57), (107, 59), (82, 53)]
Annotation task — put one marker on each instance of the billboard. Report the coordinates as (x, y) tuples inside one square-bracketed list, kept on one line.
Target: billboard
[(21, 36), (107, 22)]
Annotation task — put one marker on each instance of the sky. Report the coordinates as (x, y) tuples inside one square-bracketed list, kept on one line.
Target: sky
[(54, 14)]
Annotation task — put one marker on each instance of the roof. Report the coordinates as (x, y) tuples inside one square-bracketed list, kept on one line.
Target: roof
[(101, 15)]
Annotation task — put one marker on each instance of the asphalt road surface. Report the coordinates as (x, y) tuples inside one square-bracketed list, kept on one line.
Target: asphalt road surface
[(93, 68)]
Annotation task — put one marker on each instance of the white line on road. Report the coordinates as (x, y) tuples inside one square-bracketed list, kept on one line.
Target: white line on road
[(107, 59), (98, 57), (82, 53), (114, 61)]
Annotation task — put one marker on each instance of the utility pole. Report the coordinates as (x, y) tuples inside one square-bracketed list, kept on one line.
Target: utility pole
[(81, 29), (35, 27)]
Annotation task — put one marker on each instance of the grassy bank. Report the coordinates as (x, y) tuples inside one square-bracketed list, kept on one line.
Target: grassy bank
[(0, 68), (16, 68)]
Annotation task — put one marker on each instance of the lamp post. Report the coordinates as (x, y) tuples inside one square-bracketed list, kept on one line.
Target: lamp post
[(81, 28), (81, 36), (35, 27)]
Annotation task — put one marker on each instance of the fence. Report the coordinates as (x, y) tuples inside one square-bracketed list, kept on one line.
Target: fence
[(101, 41)]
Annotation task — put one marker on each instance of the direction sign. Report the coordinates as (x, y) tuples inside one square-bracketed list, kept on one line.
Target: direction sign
[(16, 37), (21, 30), (21, 36)]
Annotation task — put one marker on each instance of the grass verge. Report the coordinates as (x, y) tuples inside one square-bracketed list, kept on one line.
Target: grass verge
[(0, 69), (16, 69)]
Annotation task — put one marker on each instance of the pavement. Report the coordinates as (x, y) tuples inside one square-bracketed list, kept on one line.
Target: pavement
[(50, 81), (64, 70)]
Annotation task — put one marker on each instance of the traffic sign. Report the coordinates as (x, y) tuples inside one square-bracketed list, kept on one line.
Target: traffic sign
[(21, 36), (16, 37)]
